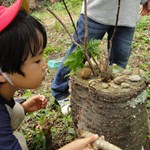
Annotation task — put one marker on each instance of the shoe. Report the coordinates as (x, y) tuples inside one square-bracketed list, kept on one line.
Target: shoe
[(65, 105)]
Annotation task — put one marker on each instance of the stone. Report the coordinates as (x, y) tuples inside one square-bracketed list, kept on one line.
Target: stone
[(118, 80), (125, 85), (104, 85), (134, 78), (127, 72)]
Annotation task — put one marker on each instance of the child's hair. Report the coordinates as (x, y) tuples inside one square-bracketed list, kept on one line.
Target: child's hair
[(25, 35)]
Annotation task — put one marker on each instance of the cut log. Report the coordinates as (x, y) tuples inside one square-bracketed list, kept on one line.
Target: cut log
[(117, 112)]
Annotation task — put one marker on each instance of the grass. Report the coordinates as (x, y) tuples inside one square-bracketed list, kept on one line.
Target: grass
[(62, 130)]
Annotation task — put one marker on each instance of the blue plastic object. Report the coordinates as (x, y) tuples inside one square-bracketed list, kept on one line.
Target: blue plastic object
[(55, 63)]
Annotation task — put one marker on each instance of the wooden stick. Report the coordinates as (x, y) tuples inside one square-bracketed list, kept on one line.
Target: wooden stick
[(100, 143), (71, 20), (86, 39), (104, 145)]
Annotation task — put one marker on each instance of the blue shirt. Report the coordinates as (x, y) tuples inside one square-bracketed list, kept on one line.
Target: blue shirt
[(7, 140)]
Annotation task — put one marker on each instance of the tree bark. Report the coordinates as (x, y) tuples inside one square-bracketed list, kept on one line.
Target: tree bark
[(117, 113)]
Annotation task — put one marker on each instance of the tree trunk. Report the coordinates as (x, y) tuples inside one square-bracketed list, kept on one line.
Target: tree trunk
[(115, 111)]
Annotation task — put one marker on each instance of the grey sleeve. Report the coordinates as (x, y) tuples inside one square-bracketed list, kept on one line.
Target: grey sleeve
[(143, 1)]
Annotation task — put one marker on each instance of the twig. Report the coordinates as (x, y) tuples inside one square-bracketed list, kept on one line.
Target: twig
[(64, 27), (96, 63), (71, 21), (106, 70), (86, 39), (100, 143), (48, 135), (114, 31)]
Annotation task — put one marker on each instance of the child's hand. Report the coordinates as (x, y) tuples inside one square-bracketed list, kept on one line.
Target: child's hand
[(35, 103), (81, 144), (53, 1), (145, 10)]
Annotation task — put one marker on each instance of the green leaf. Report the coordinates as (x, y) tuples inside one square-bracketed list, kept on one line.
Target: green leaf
[(75, 60), (93, 47)]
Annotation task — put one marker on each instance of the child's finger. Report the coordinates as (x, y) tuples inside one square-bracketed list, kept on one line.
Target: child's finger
[(53, 1), (90, 139), (42, 97)]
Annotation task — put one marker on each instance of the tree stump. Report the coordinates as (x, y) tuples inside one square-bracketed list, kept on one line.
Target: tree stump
[(118, 112)]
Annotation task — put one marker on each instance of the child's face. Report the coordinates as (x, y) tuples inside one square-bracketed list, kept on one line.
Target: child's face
[(34, 69)]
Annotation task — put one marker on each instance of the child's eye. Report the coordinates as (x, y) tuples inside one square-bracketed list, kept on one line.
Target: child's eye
[(38, 61)]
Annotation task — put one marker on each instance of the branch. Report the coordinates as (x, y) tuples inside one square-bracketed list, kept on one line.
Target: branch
[(100, 143), (64, 27), (71, 20), (86, 39), (104, 145), (106, 70), (115, 29), (48, 135), (96, 63)]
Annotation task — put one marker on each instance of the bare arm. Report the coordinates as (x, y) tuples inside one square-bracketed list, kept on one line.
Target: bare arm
[(81, 144), (34, 103)]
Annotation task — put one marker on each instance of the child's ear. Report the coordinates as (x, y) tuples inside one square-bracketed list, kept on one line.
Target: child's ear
[(2, 79)]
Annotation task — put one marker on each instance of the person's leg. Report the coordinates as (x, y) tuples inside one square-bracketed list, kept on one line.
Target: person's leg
[(59, 84), (96, 30), (121, 45)]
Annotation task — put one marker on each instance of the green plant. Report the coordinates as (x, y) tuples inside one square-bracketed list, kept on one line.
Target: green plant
[(40, 139), (71, 4), (148, 96), (76, 60), (27, 94), (49, 49)]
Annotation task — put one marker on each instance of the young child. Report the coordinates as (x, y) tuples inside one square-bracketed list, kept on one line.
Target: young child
[(22, 41)]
